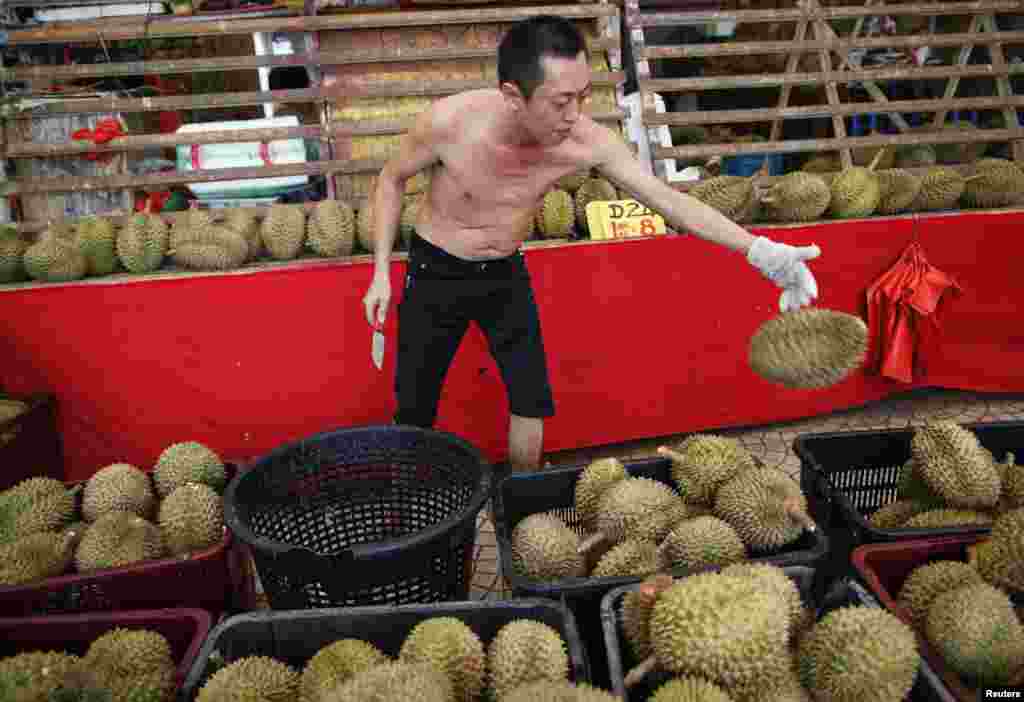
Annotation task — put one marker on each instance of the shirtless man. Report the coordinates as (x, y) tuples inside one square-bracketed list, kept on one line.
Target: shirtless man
[(491, 155)]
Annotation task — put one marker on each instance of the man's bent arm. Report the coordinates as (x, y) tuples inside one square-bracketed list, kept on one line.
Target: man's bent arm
[(417, 151), (681, 211)]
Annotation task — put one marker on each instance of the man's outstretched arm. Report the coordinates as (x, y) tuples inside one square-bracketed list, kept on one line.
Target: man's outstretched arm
[(782, 264)]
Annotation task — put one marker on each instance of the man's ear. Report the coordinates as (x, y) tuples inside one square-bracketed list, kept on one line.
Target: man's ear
[(513, 96)]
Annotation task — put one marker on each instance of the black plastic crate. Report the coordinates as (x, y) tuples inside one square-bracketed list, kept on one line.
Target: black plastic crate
[(295, 637), (522, 494), (844, 593), (362, 516), (847, 476)]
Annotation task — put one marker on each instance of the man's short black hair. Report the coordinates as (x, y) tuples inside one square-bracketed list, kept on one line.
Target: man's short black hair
[(528, 41)]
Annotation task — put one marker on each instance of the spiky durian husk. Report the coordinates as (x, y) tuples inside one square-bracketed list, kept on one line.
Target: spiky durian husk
[(928, 581), (284, 231), (55, 257), (336, 663), (34, 505), (855, 193), (950, 460), (899, 188), (450, 646), (331, 228), (35, 557), (545, 548), (525, 651), (797, 197), (118, 487), (730, 195), (395, 681), (701, 463), (12, 250), (895, 514), (565, 691), (993, 182), (640, 508), (591, 484), (133, 664), (700, 543), (31, 676), (765, 506), (252, 679), (142, 243), (97, 239), (632, 557), (556, 214), (188, 462), (941, 188), (118, 539), (191, 518), (245, 224), (591, 190)]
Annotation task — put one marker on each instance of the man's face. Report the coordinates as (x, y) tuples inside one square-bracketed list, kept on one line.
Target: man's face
[(556, 104)]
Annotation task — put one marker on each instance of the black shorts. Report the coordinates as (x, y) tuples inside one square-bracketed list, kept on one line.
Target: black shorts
[(442, 295)]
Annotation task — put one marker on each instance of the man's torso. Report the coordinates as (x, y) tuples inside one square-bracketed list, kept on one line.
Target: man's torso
[(482, 194)]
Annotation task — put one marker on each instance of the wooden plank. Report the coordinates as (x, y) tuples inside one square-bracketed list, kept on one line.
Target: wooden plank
[(674, 19), (804, 145), (791, 65), (33, 186), (1003, 87), (678, 85), (71, 32), (57, 106), (817, 111), (232, 63), (832, 93), (954, 80), (838, 44)]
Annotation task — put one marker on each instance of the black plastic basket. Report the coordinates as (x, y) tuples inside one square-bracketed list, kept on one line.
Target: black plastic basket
[(295, 637), (844, 593), (362, 516), (847, 476), (522, 494)]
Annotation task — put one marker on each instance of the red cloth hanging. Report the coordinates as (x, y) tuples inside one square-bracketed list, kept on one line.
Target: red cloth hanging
[(107, 129), (903, 306)]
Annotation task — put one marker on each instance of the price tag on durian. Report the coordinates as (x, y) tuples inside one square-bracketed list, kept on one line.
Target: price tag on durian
[(620, 219)]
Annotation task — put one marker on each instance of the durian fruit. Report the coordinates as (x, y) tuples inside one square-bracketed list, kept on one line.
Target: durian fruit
[(243, 222), (525, 651), (12, 250), (188, 462), (97, 239), (899, 188), (1000, 559), (556, 215), (856, 191), (44, 554), (573, 181), (822, 163), (797, 197), (450, 646), (565, 691), (591, 484), (55, 258), (950, 460), (35, 505), (133, 664), (191, 519), (118, 539), (284, 231), (632, 558), (700, 543), (859, 654), (640, 508), (997, 182), (118, 487), (941, 188), (545, 548), (766, 508), (725, 628), (689, 688), (774, 580), (926, 582), (336, 663), (82, 684), (913, 487), (591, 190), (701, 463), (331, 229), (730, 195), (894, 514), (1012, 480), (142, 242), (915, 156), (395, 681), (635, 613), (31, 676), (936, 518), (976, 631), (254, 679)]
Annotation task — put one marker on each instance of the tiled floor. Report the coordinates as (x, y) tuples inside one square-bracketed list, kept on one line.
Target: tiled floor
[(773, 444)]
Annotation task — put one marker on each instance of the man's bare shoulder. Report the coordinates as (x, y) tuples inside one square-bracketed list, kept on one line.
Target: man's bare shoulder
[(449, 116)]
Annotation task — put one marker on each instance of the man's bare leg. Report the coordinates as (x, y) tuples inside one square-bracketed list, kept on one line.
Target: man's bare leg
[(525, 441)]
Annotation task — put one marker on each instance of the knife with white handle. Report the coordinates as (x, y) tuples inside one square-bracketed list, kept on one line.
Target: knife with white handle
[(377, 345)]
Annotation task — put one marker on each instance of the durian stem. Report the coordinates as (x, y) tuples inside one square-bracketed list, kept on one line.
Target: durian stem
[(590, 542), (670, 453), (641, 671), (794, 510), (968, 179), (877, 158)]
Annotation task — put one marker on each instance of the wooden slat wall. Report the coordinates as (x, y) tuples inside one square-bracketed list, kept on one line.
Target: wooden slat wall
[(337, 46), (811, 48)]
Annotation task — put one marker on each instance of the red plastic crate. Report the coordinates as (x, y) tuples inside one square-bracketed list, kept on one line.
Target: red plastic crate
[(216, 579), (185, 630), (884, 567)]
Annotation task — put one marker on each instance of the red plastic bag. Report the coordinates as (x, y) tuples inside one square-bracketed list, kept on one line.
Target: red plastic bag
[(107, 129)]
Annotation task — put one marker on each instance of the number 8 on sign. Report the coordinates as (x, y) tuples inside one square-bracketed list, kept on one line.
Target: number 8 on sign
[(617, 219)]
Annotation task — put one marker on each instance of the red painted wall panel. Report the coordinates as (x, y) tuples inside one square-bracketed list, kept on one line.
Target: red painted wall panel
[(644, 338)]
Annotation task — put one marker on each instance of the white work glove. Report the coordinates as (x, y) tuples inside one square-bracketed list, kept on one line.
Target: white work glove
[(784, 265)]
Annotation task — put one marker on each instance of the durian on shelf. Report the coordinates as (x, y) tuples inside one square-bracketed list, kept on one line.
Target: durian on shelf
[(120, 516), (720, 506), (441, 658)]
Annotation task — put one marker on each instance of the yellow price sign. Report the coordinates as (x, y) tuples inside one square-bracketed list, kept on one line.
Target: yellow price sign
[(620, 219)]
